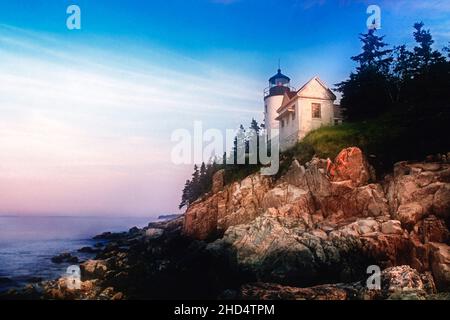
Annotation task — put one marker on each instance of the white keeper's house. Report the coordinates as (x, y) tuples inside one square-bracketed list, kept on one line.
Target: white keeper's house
[(296, 112)]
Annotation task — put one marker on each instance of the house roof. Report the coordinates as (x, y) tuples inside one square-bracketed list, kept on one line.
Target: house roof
[(291, 94), (283, 112), (289, 97), (316, 78)]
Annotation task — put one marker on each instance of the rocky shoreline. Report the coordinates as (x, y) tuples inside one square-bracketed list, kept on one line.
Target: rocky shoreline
[(311, 234)]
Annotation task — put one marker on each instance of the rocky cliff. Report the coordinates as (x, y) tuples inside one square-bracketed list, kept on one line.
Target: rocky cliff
[(328, 220), (310, 234)]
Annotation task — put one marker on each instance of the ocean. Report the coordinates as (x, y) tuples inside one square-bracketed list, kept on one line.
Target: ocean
[(27, 244)]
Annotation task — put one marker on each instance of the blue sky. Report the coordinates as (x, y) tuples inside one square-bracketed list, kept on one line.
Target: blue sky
[(224, 31), (86, 115)]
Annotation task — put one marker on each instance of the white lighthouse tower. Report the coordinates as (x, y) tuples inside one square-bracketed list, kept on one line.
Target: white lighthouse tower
[(273, 97)]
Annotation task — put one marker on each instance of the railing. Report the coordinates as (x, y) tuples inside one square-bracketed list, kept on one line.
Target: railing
[(268, 89)]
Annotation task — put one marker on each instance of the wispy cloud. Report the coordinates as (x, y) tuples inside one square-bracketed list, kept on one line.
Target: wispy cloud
[(81, 125)]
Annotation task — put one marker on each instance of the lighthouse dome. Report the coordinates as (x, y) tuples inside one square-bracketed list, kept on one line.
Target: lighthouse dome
[(279, 79)]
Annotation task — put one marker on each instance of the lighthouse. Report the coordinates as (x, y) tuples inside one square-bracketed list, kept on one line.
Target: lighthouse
[(294, 113), (279, 84)]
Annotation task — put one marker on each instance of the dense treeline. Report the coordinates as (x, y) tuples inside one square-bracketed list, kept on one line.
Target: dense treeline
[(199, 184), (397, 101), (412, 82)]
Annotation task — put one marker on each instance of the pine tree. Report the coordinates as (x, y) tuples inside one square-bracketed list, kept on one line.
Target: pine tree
[(185, 197), (402, 66), (195, 185), (200, 183), (428, 90), (402, 72), (424, 55), (239, 144), (203, 180), (368, 93), (373, 56), (255, 126), (447, 50), (252, 138)]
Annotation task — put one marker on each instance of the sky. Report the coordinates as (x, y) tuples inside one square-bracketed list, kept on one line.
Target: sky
[(86, 116)]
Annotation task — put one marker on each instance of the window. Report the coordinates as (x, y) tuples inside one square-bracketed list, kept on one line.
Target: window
[(282, 123), (287, 120), (293, 116), (315, 107)]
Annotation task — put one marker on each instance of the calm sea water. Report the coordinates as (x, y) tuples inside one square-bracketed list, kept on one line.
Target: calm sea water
[(27, 244)]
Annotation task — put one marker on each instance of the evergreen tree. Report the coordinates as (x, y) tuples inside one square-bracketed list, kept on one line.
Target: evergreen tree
[(368, 92), (428, 90), (252, 138), (402, 66), (239, 144), (401, 72), (185, 197), (203, 180), (195, 188), (424, 56), (255, 126), (200, 183), (447, 50), (373, 55)]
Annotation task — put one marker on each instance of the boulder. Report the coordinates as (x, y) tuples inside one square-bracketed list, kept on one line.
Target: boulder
[(111, 236), (440, 265), (275, 197), (94, 269), (404, 282), (350, 164), (271, 291), (117, 296), (290, 254), (154, 233), (409, 214), (432, 229), (365, 201), (88, 250), (392, 227), (134, 231), (441, 202), (417, 190)]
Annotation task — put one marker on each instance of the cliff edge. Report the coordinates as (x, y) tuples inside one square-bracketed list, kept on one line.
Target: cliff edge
[(328, 221)]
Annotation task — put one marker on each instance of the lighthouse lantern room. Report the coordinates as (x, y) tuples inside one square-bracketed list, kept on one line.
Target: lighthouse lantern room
[(279, 84)]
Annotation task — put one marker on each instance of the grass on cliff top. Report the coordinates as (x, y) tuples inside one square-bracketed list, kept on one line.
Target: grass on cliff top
[(384, 140)]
